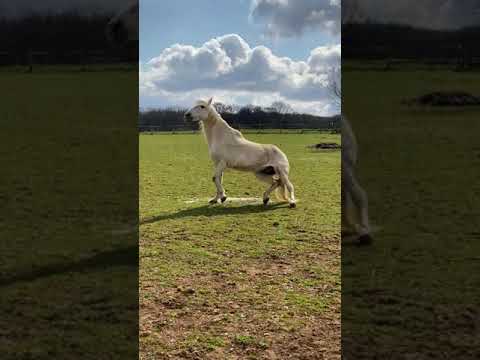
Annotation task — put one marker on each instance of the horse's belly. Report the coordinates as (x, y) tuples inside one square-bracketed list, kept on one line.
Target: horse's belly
[(245, 162), (240, 157)]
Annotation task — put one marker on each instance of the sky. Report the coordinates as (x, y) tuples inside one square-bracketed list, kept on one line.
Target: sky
[(240, 52)]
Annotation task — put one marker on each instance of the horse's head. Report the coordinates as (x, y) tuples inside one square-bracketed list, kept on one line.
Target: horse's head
[(123, 28), (200, 112)]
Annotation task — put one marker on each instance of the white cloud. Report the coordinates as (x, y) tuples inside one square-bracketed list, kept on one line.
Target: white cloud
[(324, 58), (435, 14), (287, 18), (228, 68)]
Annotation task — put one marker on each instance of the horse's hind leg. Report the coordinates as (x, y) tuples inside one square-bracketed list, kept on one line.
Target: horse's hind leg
[(360, 201), (291, 201), (266, 194), (348, 223), (291, 191)]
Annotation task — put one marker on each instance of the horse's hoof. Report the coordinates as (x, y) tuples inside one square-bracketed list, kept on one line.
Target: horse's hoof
[(213, 201), (293, 205), (265, 201), (223, 199), (365, 239)]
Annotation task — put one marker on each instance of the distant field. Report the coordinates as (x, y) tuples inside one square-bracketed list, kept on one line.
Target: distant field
[(398, 65), (417, 165), (238, 280)]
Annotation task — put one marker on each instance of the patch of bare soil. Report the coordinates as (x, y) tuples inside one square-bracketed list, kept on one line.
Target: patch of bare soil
[(445, 98), (261, 310), (325, 146)]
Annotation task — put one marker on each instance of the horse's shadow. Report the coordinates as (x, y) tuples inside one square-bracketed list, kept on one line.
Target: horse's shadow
[(127, 256), (214, 210)]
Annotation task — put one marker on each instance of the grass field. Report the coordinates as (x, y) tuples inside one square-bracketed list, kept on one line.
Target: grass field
[(68, 268), (238, 280), (414, 293)]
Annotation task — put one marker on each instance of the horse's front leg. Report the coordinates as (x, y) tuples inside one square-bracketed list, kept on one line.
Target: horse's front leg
[(217, 179)]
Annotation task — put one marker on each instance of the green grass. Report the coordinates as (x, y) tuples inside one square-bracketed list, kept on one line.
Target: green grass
[(418, 282), (240, 270), (250, 131), (249, 341)]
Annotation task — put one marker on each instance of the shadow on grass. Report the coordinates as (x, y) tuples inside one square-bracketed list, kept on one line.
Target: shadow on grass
[(127, 256), (214, 210)]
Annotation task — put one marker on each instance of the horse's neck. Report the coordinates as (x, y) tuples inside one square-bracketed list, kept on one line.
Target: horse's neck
[(213, 124)]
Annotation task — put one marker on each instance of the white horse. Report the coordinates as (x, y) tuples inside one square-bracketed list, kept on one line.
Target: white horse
[(354, 199), (229, 149)]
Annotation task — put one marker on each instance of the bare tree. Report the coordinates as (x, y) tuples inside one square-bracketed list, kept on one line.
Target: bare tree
[(282, 107), (335, 86), (223, 108)]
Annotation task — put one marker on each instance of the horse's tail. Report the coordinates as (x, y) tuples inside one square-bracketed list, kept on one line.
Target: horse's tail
[(281, 192)]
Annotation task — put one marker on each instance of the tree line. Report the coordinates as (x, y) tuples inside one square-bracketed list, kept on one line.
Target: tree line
[(65, 38), (381, 41), (246, 117)]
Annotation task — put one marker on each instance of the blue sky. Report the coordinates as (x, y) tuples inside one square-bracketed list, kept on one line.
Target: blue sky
[(288, 44), (164, 23)]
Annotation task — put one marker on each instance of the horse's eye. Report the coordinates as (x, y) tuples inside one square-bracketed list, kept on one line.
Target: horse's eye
[(201, 106)]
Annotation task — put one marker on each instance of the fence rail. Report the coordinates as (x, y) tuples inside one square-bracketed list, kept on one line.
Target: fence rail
[(292, 128), (245, 131)]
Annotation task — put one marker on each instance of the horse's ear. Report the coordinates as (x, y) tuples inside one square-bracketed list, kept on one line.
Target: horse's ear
[(210, 101)]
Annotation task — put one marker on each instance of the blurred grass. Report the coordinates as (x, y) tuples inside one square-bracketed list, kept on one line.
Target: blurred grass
[(418, 284), (69, 204)]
